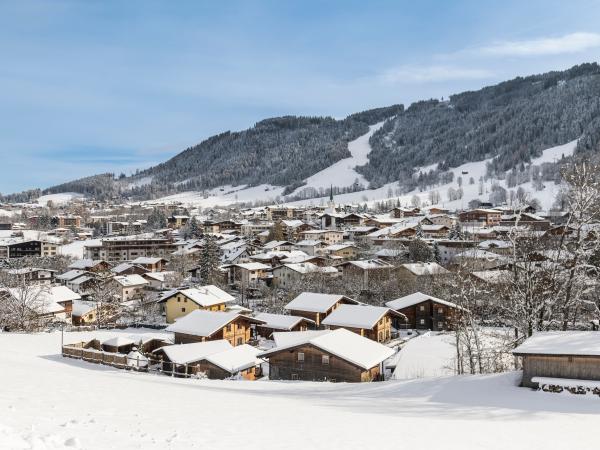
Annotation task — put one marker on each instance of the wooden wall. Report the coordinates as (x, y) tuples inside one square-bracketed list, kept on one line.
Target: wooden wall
[(578, 367)]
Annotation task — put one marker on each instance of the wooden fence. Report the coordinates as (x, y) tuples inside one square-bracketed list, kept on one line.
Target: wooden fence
[(118, 360)]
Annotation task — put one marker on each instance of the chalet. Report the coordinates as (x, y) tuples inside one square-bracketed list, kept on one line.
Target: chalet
[(413, 272), (480, 217), (84, 313), (448, 248), (311, 247), (400, 213), (152, 264), (327, 236), (498, 246), (327, 355), (529, 220), (247, 274), (372, 322), (425, 312), (280, 246), (218, 360), (280, 322), (359, 233), (33, 274), (90, 265), (177, 221), (288, 275), (477, 259), (368, 271), (130, 286), (341, 251), (559, 357), (315, 306), (179, 303), (201, 325), (128, 269), (159, 280), (293, 228)]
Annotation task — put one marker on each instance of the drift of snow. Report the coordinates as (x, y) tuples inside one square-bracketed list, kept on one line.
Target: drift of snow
[(49, 402)]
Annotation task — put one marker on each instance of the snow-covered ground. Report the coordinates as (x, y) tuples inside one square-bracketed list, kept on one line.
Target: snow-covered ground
[(75, 248), (425, 356), (47, 402), (59, 199)]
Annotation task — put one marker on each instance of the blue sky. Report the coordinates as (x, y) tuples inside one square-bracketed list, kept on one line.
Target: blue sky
[(94, 86)]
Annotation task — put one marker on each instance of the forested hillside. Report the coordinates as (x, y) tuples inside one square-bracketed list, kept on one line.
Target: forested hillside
[(513, 121)]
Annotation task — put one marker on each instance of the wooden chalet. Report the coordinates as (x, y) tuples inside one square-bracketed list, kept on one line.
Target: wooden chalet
[(281, 322), (217, 360), (201, 325), (326, 355), (372, 322), (425, 312), (316, 306)]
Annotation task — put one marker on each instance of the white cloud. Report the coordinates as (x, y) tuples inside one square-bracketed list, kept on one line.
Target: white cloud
[(569, 43), (433, 73)]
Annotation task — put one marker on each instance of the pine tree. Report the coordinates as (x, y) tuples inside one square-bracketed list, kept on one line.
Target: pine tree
[(194, 229), (436, 253), (455, 233), (209, 260)]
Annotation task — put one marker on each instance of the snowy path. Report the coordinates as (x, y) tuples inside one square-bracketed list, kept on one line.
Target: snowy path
[(342, 173), (425, 356), (47, 402)]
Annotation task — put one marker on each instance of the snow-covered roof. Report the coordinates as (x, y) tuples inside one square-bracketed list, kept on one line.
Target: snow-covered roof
[(208, 295), (146, 260), (357, 316), (236, 358), (416, 298), (81, 308), (425, 268), (187, 353), (280, 321), (118, 341), (308, 267), (336, 247), (583, 343), (130, 280), (252, 266), (370, 264), (493, 276), (205, 323), (342, 343), (71, 275), (85, 264), (309, 243), (477, 253), (315, 302)]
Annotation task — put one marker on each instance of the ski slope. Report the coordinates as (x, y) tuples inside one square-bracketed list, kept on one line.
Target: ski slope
[(48, 402), (343, 173)]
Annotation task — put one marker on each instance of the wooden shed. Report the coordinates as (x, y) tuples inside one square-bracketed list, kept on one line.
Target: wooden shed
[(560, 355)]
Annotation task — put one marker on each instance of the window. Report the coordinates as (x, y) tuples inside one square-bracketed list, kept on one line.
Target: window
[(422, 321), (440, 310), (294, 376), (440, 324), (422, 308), (239, 341), (182, 309), (325, 359), (178, 300), (301, 356), (229, 328)]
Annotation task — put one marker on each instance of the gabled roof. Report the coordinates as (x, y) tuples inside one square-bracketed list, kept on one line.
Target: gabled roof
[(204, 296), (236, 358), (344, 344), (130, 280), (281, 321), (43, 299), (118, 341), (187, 353), (582, 343), (415, 299), (358, 316), (206, 323), (427, 268), (147, 260), (316, 302), (71, 275), (369, 264)]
